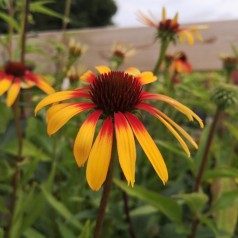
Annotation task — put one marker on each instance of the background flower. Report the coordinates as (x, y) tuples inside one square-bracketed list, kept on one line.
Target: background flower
[(16, 76)]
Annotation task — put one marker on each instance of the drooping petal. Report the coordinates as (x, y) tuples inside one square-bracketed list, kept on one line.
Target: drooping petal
[(179, 128), (88, 77), (5, 84), (103, 69), (40, 82), (175, 20), (163, 14), (60, 96), (125, 147), (146, 77), (152, 111), (173, 123), (149, 147), (133, 71), (60, 117), (13, 92), (84, 138), (179, 106), (100, 156), (189, 37)]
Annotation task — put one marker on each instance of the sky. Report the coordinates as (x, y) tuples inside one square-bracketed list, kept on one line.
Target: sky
[(190, 11)]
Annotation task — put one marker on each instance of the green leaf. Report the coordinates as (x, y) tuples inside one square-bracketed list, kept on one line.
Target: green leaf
[(61, 209), (227, 199), (39, 8), (31, 232), (143, 211), (29, 149), (1, 233), (232, 129), (11, 21), (65, 231), (221, 172), (87, 230), (171, 147), (195, 201), (6, 115), (167, 206)]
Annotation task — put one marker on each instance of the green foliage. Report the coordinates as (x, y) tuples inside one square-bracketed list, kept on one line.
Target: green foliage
[(43, 193), (84, 13)]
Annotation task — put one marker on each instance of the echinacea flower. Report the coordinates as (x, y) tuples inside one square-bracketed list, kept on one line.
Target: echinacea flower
[(169, 29), (113, 97), (76, 49), (180, 64), (120, 52), (16, 76)]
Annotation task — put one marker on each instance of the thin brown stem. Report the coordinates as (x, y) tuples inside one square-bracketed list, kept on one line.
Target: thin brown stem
[(206, 150), (202, 167), (104, 199), (127, 213)]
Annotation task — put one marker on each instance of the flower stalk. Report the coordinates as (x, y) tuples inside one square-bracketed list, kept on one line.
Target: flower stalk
[(18, 112), (163, 48), (202, 167), (105, 195)]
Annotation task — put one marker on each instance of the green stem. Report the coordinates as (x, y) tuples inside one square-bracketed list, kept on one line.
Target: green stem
[(105, 196), (202, 167), (18, 112), (127, 213), (24, 30), (66, 17), (163, 48), (10, 29)]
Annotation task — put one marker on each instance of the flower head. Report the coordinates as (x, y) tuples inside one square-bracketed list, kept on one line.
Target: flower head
[(119, 53), (229, 62), (113, 97), (15, 76), (169, 29), (179, 63), (76, 49)]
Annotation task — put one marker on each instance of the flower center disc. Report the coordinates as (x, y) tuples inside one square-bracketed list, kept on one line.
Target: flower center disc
[(115, 92), (15, 69)]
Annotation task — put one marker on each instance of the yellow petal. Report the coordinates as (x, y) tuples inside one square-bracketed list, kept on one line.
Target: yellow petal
[(88, 76), (174, 132), (13, 92), (147, 77), (100, 156), (125, 147), (163, 14), (149, 147), (55, 108), (189, 37), (175, 20), (84, 138), (60, 117), (5, 83), (197, 35), (53, 98), (152, 110), (179, 106), (180, 129), (43, 85), (132, 71), (103, 69)]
